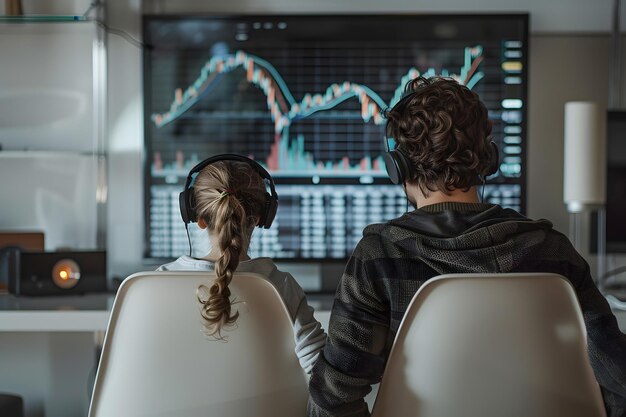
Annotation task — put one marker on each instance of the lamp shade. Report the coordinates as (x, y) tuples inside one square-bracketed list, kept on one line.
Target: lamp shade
[(584, 182)]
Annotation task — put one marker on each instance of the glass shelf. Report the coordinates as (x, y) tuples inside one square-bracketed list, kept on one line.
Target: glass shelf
[(35, 18)]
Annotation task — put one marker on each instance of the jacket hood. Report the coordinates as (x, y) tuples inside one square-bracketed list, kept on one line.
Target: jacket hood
[(463, 237)]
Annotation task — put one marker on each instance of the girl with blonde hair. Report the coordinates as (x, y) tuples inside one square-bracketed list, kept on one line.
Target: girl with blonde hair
[(227, 195)]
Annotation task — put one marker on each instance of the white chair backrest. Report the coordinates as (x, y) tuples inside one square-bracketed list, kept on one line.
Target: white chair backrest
[(475, 345), (157, 360)]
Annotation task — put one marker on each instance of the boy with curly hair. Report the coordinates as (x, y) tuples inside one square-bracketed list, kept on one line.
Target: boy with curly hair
[(443, 151)]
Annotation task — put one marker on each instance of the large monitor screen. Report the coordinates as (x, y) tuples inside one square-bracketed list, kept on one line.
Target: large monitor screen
[(305, 96)]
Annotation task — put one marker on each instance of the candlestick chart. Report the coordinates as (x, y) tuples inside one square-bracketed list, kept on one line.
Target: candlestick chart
[(289, 156)]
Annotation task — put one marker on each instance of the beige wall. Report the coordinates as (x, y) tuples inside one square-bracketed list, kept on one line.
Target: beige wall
[(562, 68)]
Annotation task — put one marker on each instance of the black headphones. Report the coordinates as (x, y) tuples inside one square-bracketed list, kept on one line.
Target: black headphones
[(398, 164), (186, 197)]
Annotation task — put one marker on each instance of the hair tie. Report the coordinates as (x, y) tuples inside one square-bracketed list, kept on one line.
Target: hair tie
[(226, 192)]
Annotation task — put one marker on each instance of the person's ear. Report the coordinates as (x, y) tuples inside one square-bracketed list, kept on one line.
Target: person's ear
[(201, 223)]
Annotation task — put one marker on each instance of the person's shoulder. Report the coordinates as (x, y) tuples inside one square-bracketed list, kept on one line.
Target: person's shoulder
[(267, 268), (372, 245), (170, 266), (284, 282), (186, 263), (379, 238), (561, 244), (262, 266), (557, 247)]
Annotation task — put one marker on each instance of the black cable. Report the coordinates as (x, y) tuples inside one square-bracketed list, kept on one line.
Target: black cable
[(123, 35), (407, 197), (482, 197), (188, 238), (92, 6), (108, 29), (614, 272), (93, 372)]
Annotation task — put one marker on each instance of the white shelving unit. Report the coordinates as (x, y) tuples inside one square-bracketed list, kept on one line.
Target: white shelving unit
[(54, 98)]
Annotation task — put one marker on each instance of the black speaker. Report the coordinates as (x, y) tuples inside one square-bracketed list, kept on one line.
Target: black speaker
[(57, 273)]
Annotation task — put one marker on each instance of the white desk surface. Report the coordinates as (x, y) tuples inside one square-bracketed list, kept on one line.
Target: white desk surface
[(90, 312), (76, 313)]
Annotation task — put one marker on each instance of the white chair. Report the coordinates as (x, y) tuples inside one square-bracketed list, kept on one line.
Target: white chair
[(157, 361), (474, 345)]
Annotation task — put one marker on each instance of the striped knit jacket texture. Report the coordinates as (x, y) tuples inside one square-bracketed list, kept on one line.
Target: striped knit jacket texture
[(394, 259)]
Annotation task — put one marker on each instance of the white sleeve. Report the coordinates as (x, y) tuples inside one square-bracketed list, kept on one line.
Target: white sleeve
[(309, 336)]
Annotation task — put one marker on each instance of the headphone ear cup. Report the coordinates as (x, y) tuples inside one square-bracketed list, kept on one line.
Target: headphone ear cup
[(186, 203), (182, 202), (494, 159), (271, 206), (403, 165), (392, 168), (396, 165)]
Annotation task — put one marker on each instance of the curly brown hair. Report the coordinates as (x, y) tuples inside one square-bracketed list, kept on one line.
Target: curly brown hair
[(443, 129)]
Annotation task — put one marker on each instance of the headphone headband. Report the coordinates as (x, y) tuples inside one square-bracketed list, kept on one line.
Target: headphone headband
[(187, 209), (230, 157)]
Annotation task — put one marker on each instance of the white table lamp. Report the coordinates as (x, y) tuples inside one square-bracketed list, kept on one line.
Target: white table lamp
[(584, 181)]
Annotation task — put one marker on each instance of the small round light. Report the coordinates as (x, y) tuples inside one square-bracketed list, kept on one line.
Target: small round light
[(65, 273)]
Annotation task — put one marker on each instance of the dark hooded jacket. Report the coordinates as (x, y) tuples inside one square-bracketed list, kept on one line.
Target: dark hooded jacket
[(394, 259)]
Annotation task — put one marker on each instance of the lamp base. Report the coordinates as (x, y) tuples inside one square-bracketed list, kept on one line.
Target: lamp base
[(577, 218)]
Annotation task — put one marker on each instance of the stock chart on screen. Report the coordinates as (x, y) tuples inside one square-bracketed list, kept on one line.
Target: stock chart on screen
[(305, 96)]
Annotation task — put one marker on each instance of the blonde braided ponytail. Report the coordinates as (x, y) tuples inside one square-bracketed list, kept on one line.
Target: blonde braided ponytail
[(228, 197)]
